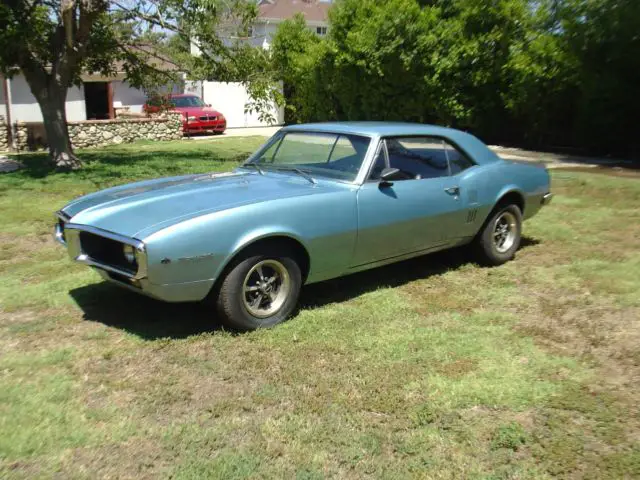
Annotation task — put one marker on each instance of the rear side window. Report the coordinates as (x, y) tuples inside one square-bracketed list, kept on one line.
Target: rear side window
[(420, 158), (458, 161)]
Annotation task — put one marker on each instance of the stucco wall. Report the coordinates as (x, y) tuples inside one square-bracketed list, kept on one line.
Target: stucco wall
[(25, 108), (126, 96), (100, 133)]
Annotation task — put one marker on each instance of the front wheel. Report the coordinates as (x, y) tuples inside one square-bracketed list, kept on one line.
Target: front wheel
[(499, 238), (260, 290)]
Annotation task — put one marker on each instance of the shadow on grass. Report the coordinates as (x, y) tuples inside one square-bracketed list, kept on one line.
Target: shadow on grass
[(152, 319), (145, 317), (37, 165)]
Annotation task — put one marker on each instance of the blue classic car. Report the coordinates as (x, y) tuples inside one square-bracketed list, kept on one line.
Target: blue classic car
[(316, 202)]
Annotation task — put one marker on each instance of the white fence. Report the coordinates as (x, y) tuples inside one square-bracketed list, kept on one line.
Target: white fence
[(230, 99)]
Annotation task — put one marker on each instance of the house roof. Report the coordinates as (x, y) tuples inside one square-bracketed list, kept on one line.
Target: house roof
[(312, 10), (151, 56)]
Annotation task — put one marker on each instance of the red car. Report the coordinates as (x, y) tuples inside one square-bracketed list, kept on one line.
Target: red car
[(198, 116)]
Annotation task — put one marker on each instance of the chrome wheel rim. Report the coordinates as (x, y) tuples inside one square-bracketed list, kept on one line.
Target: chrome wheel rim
[(505, 230), (266, 288)]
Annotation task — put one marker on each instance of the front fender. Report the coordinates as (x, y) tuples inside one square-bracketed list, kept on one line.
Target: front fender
[(198, 249), (265, 232)]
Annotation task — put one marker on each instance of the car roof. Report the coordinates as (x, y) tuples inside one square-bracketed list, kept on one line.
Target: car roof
[(373, 128), (470, 144)]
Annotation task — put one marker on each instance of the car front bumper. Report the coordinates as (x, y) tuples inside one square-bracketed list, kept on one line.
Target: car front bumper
[(197, 126), (68, 234)]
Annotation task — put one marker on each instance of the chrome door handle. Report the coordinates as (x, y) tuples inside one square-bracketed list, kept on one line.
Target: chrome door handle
[(453, 190)]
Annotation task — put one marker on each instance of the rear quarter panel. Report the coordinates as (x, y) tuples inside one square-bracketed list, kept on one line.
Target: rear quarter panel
[(485, 185)]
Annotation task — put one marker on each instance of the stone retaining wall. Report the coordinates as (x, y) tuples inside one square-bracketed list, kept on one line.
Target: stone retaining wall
[(100, 133), (4, 135)]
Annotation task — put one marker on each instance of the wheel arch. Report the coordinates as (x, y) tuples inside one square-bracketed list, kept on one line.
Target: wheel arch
[(510, 196), (262, 239), (507, 196)]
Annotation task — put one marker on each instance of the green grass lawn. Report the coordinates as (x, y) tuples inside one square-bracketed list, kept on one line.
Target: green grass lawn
[(433, 368)]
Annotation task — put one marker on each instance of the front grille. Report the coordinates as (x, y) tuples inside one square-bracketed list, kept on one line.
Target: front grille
[(207, 118), (106, 251)]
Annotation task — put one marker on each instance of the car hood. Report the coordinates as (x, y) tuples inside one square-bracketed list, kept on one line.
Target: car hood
[(152, 205)]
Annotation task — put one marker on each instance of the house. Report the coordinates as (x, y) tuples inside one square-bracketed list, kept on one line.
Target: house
[(96, 98), (273, 12), (231, 98)]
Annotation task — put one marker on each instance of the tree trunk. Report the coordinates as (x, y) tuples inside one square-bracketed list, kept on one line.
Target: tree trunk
[(52, 104)]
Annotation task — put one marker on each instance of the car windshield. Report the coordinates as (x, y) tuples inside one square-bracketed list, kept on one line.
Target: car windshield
[(181, 102), (323, 154)]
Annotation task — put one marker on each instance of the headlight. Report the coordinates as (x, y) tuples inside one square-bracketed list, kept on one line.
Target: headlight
[(191, 118), (129, 254)]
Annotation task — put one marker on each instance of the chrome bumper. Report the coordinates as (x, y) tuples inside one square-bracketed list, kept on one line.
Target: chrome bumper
[(546, 199), (68, 234), (58, 235)]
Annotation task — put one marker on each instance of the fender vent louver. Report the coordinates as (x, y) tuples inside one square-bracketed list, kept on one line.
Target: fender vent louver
[(471, 216)]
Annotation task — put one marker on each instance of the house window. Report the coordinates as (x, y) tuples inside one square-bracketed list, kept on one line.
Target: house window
[(321, 30)]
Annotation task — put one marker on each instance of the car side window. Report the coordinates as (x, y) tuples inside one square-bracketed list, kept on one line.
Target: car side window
[(379, 164), (418, 157), (458, 161)]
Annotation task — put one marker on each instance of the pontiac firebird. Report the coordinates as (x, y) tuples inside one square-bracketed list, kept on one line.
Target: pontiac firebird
[(316, 202)]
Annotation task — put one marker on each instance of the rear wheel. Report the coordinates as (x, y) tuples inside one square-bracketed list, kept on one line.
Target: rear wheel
[(259, 290), (499, 238)]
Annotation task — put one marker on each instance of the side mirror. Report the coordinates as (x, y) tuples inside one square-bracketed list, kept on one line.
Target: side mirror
[(388, 175)]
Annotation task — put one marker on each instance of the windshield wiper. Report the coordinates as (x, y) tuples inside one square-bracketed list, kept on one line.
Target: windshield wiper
[(255, 165), (300, 172)]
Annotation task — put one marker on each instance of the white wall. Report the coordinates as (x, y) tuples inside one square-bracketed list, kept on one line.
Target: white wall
[(128, 96), (230, 100), (25, 108)]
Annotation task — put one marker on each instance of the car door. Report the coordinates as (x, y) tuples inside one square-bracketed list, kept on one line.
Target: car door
[(424, 210)]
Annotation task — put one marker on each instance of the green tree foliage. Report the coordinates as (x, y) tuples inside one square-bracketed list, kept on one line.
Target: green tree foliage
[(296, 52), (603, 36), (544, 73)]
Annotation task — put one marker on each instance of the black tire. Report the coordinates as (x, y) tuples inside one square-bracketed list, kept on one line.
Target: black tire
[(230, 302), (490, 252)]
